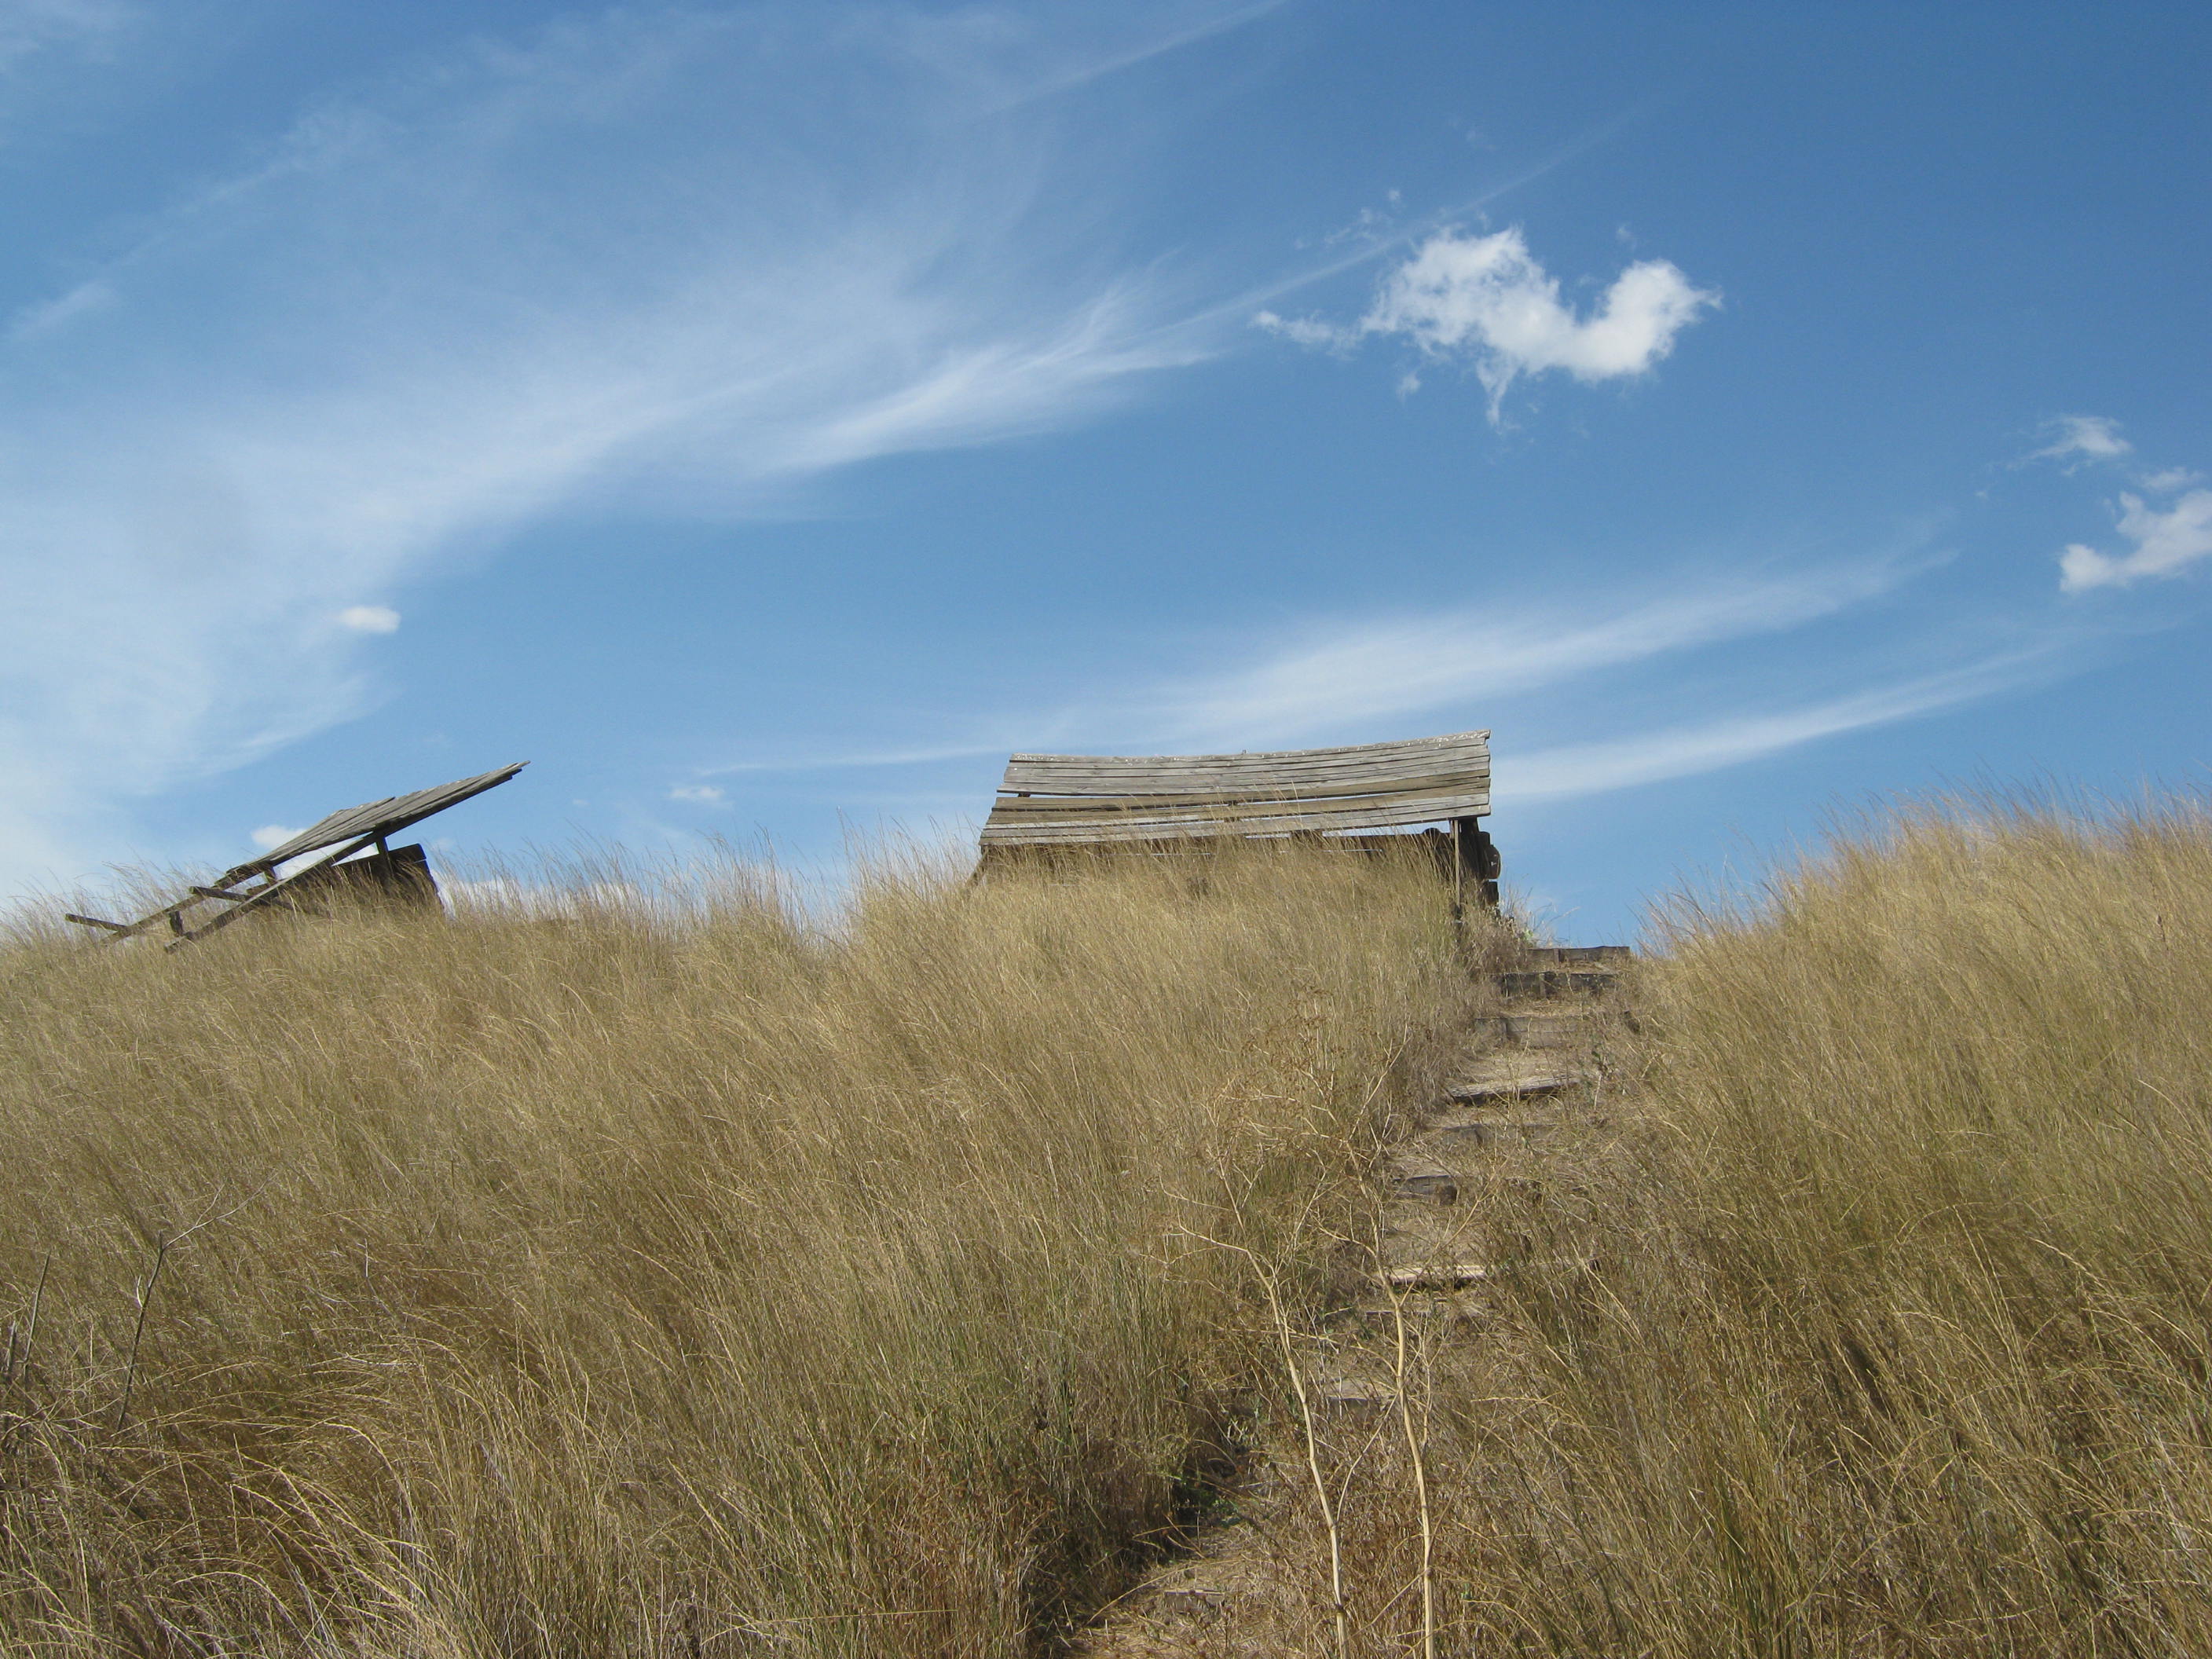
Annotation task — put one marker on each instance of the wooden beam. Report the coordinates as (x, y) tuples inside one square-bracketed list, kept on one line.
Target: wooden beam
[(271, 894)]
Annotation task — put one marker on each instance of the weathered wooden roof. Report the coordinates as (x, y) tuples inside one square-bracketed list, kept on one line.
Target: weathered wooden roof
[(1048, 798), (347, 833), (376, 817)]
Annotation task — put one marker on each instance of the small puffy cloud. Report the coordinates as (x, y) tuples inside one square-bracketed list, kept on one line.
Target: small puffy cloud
[(2172, 478), (272, 835), (369, 619), (2165, 544), (2089, 437), (1306, 331), (704, 794), (1487, 300)]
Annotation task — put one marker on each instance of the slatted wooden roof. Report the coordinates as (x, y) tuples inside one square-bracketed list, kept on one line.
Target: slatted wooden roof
[(376, 817), (1058, 798)]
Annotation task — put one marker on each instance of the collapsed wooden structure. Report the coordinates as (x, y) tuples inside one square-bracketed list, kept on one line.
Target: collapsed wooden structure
[(1051, 807), (400, 874)]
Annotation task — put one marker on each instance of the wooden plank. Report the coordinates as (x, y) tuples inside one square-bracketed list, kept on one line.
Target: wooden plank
[(1047, 772), (1274, 756), (94, 922), (1157, 827), (1432, 783), (1134, 781), (373, 818), (1516, 1088), (1076, 835), (1145, 773), (273, 894), (1392, 808)]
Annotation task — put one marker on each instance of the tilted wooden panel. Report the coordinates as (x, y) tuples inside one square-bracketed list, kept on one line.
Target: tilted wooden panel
[(1070, 799), (376, 818)]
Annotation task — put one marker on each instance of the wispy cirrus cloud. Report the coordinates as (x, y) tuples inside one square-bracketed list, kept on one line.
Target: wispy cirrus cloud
[(1350, 675), (29, 26), (1358, 681), (1573, 770), (1487, 302), (680, 257)]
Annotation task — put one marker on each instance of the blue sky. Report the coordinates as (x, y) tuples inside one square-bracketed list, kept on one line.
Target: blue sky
[(763, 417)]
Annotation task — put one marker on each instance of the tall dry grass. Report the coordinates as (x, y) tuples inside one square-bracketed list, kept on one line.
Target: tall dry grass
[(1896, 1336), (670, 1274)]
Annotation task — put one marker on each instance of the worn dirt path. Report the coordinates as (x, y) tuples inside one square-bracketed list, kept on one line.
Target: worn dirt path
[(1515, 1112)]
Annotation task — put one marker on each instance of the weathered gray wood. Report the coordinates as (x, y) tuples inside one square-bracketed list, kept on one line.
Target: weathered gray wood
[(276, 893), (1515, 1088), (1261, 821), (1557, 983), (1136, 775), (1072, 799), (350, 832), (1045, 807), (373, 819), (1042, 812)]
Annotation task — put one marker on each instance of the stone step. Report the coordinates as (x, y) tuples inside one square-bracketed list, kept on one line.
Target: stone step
[(1481, 1134), (1443, 1276), (1579, 955), (1565, 1029), (1428, 1186), (1475, 1305), (1342, 1393), (1525, 1086), (1429, 1276), (1548, 983)]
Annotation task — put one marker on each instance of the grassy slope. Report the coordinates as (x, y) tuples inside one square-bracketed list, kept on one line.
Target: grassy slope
[(660, 1283), (1898, 1335), (607, 1286)]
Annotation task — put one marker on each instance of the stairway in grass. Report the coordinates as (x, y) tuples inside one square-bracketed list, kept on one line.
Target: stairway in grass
[(1533, 1096)]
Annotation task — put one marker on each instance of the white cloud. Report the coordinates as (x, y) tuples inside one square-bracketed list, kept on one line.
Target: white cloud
[(1305, 331), (50, 316), (369, 619), (1351, 684), (1369, 671), (1487, 301), (2169, 479), (1687, 751), (272, 835), (530, 277), (2166, 544), (1345, 686), (30, 25), (704, 794), (2092, 437)]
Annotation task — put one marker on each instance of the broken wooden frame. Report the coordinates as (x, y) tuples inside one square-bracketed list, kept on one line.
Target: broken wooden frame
[(1060, 808), (402, 871)]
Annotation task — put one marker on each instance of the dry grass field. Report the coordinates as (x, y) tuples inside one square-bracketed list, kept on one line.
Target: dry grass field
[(1872, 1315), (673, 1274), (680, 1277)]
